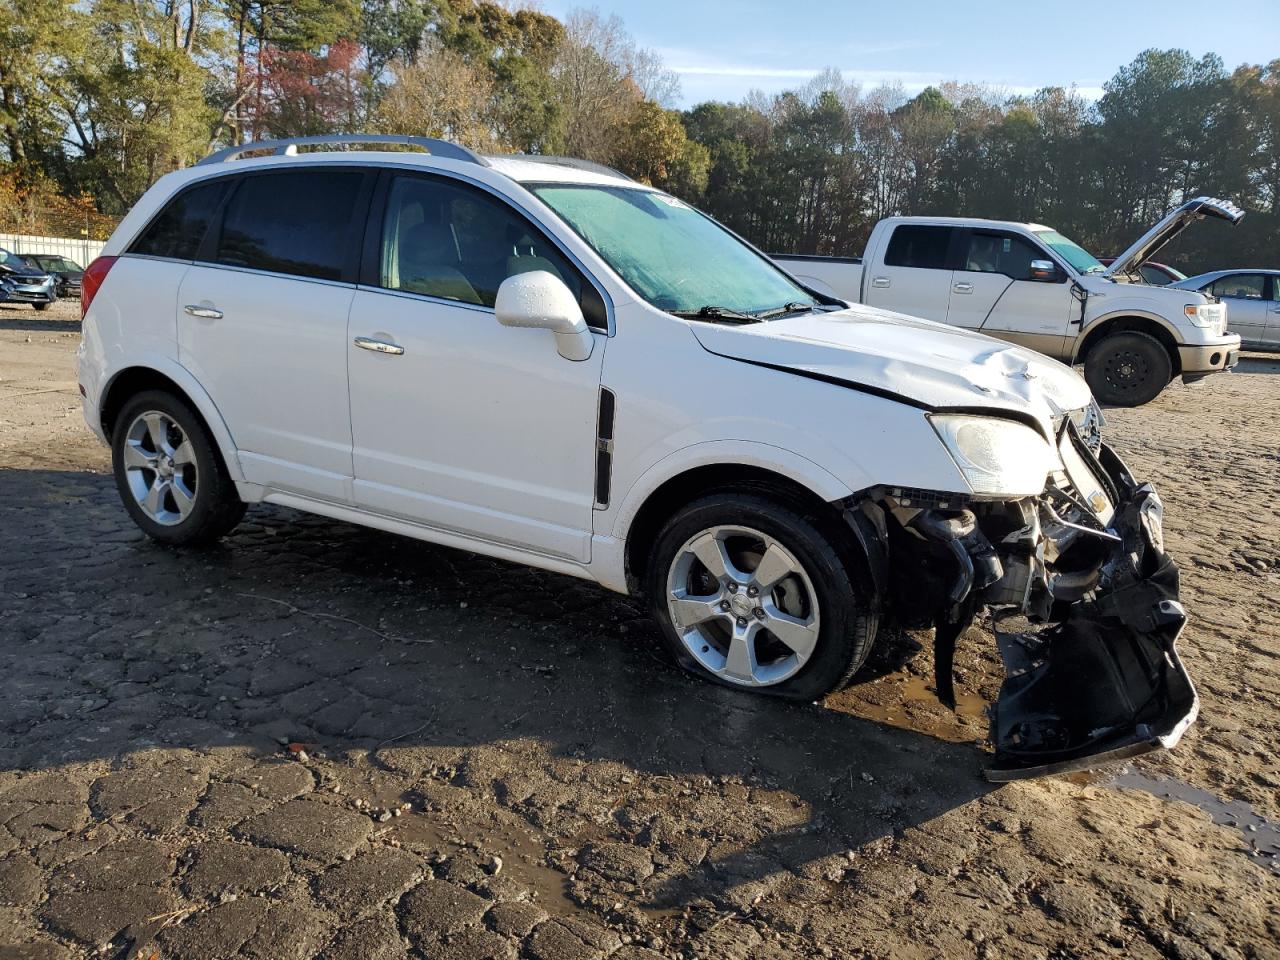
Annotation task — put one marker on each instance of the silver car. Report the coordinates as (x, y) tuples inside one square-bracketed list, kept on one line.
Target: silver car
[(1253, 303)]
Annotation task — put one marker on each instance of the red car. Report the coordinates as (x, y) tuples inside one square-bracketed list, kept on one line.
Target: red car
[(1156, 274)]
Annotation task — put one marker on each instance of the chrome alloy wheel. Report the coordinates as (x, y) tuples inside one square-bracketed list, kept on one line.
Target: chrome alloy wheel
[(743, 606), (160, 467)]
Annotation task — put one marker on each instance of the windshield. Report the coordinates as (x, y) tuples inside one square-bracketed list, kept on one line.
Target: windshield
[(55, 263), (675, 257), (12, 259), (1070, 251)]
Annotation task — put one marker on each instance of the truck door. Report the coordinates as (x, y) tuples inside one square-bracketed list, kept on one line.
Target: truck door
[(993, 289), (914, 276)]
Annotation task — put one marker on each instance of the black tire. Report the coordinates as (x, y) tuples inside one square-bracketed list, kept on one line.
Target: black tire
[(43, 306), (846, 626), (216, 507), (1128, 369)]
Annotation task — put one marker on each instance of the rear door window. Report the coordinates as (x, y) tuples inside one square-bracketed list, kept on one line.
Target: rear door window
[(914, 245), (299, 222), (177, 230)]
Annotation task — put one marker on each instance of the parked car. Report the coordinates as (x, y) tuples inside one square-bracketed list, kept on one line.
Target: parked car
[(66, 272), (22, 283), (1030, 285), (1156, 274), (1253, 303), (539, 360)]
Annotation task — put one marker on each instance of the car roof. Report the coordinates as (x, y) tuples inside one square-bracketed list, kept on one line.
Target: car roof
[(1211, 275), (970, 222), (499, 173)]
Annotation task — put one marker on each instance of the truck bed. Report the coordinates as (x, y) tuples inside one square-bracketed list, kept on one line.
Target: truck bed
[(839, 276)]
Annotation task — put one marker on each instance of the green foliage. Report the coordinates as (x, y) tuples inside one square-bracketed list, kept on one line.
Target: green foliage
[(99, 98)]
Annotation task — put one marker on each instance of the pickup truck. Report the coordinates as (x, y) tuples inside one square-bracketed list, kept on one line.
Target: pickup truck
[(1030, 285)]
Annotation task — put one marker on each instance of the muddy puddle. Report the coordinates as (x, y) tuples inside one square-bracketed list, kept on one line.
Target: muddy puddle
[(1261, 837), (908, 702)]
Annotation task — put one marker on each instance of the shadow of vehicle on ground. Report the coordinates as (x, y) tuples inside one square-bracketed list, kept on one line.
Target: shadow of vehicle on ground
[(352, 640)]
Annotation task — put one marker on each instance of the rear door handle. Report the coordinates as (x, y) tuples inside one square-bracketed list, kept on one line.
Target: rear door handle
[(879, 281), (962, 287), (204, 313), (378, 346)]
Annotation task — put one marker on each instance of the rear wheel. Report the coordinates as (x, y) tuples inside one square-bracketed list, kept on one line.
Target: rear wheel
[(169, 472), (1128, 369), (753, 594)]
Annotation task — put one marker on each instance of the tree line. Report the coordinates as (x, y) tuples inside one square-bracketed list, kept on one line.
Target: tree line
[(99, 98)]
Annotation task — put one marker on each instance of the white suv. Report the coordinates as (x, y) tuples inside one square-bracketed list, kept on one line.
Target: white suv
[(541, 360)]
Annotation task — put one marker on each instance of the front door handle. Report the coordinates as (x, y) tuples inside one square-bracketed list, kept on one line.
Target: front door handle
[(378, 346), (204, 313), (962, 287), (879, 281)]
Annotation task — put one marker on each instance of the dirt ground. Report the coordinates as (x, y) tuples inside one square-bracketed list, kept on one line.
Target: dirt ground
[(496, 762)]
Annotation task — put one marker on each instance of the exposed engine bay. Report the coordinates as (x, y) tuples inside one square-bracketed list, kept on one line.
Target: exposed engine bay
[(1083, 601)]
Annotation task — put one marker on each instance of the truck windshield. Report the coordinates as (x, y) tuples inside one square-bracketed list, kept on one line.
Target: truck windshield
[(676, 258), (1069, 250)]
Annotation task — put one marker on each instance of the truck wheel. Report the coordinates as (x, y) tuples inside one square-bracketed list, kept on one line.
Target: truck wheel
[(1128, 369), (752, 594), (169, 472)]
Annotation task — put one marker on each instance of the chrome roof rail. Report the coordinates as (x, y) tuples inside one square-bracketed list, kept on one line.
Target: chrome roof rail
[(589, 165), (289, 147)]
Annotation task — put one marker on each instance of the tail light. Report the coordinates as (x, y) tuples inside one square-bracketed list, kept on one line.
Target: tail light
[(94, 274)]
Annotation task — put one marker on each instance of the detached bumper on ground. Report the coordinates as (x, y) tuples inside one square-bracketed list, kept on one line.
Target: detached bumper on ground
[(1084, 604), (1104, 682)]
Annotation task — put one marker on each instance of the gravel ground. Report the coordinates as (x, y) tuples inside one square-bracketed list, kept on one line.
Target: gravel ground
[(320, 740)]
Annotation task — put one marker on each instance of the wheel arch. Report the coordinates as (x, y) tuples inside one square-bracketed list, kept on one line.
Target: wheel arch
[(1137, 322), (132, 380), (646, 517)]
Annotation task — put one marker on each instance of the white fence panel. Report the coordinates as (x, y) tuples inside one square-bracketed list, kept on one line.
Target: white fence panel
[(77, 249)]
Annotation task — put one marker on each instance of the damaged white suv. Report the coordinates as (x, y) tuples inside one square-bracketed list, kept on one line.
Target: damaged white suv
[(540, 360)]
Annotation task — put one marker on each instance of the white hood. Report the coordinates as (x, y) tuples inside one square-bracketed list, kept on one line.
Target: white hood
[(927, 364), (1149, 244)]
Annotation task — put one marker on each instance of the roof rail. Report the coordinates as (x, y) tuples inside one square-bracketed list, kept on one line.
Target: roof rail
[(289, 147), (588, 165)]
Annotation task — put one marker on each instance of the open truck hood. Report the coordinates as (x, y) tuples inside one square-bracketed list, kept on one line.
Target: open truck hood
[(1150, 243), (926, 364)]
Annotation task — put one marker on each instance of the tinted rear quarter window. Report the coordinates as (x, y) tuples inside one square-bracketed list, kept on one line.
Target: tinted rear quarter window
[(918, 246), (299, 222), (177, 230)]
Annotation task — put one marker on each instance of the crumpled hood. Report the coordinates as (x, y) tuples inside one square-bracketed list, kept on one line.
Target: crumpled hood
[(927, 364)]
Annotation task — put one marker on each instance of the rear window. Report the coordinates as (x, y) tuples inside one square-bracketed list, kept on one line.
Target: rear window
[(299, 222), (919, 246), (177, 230)]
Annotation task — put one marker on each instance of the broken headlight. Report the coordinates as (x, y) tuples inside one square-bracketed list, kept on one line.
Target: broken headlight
[(996, 456)]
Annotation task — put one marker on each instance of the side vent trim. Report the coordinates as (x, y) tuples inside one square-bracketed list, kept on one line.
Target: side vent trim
[(604, 447)]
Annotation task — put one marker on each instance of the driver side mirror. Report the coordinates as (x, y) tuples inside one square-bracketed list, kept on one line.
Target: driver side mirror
[(538, 299), (1046, 271)]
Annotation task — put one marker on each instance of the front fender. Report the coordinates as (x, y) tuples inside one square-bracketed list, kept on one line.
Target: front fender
[(1118, 311), (719, 453)]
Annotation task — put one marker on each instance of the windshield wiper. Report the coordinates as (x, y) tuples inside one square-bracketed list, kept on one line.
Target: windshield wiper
[(712, 312), (792, 307)]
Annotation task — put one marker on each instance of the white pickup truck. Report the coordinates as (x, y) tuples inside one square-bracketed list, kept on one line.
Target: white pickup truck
[(1030, 285)]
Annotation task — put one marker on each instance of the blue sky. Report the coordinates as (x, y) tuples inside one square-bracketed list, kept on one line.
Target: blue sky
[(723, 50)]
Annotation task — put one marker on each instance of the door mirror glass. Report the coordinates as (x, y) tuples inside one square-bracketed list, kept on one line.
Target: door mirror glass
[(540, 300), (1043, 270)]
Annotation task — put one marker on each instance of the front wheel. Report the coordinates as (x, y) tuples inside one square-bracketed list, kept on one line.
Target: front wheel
[(43, 306), (1128, 369), (753, 594), (169, 472)]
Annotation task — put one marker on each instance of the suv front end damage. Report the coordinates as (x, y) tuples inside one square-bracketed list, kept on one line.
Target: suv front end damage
[(1083, 600)]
